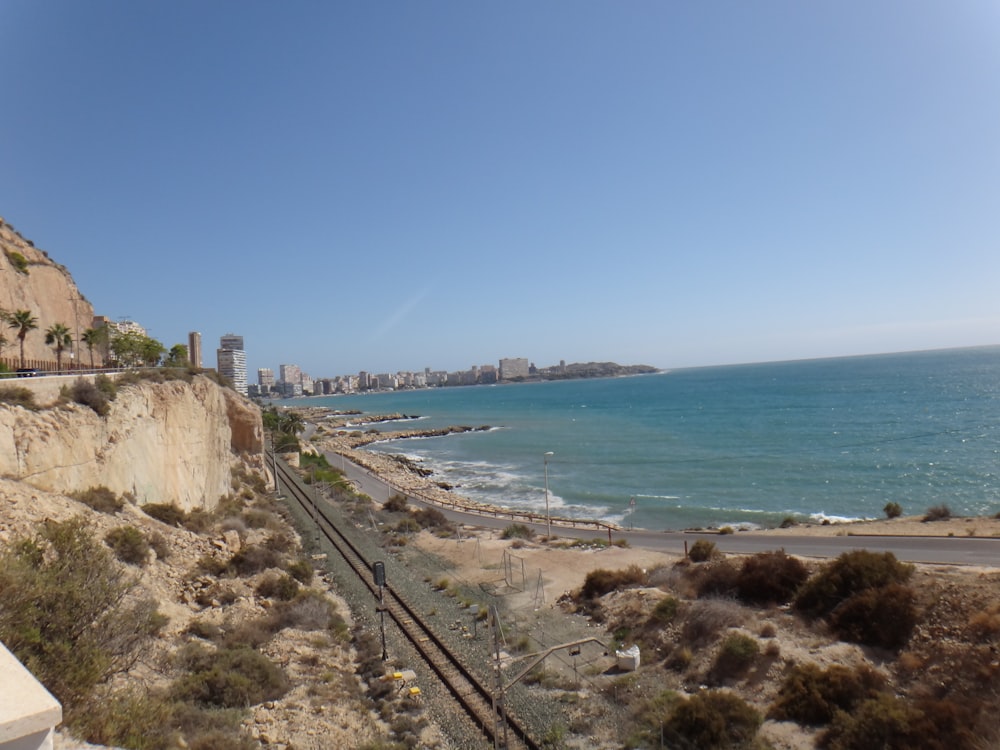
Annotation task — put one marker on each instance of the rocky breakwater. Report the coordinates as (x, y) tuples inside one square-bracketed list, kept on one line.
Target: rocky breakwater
[(403, 473), (172, 442)]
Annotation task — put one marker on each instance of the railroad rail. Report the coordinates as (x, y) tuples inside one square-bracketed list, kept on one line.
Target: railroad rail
[(475, 698)]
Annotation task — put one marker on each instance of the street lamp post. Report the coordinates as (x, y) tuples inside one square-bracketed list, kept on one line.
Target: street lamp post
[(548, 518)]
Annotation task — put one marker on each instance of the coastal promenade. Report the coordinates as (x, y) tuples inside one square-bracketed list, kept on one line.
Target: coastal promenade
[(812, 541)]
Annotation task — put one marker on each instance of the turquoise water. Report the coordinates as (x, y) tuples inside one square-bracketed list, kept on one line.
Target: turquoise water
[(738, 445)]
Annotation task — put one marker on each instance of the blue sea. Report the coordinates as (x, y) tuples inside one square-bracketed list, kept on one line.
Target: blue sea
[(745, 445)]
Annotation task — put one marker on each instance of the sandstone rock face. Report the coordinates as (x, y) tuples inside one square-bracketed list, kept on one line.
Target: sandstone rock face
[(44, 288), (170, 442)]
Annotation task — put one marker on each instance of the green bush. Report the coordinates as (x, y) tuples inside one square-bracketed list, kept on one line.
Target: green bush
[(712, 720), (67, 611), (665, 610), (702, 551), (228, 678), (846, 576), (770, 578), (17, 260), (128, 544), (882, 617), (100, 499), (812, 696), (892, 510)]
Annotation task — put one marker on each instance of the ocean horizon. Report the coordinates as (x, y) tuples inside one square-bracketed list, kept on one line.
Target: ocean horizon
[(739, 445)]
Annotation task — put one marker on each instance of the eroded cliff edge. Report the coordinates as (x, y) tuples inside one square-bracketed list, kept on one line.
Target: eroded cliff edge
[(173, 442)]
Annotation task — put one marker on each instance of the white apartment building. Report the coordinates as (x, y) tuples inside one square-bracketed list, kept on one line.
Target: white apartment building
[(232, 361), (513, 368)]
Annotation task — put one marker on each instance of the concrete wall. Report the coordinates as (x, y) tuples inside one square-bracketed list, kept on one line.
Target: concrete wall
[(28, 712)]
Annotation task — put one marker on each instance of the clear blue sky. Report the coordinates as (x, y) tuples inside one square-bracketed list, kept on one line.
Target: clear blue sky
[(394, 185)]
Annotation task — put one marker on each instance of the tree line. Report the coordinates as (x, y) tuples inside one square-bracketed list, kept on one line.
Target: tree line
[(123, 348)]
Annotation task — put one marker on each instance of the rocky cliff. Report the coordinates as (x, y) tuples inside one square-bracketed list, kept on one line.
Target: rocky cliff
[(30, 280), (173, 442)]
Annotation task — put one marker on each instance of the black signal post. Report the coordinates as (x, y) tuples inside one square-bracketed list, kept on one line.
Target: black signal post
[(378, 571)]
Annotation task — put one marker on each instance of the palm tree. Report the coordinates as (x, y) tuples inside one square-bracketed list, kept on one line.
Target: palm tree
[(22, 321), (94, 338), (60, 338)]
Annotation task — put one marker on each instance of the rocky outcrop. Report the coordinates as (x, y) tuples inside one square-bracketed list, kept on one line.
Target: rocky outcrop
[(173, 442), (30, 280)]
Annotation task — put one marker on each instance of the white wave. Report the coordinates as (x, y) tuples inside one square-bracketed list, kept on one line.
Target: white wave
[(824, 518)]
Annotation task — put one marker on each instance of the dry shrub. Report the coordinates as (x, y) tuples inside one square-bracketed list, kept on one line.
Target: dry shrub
[(18, 396), (937, 513), (517, 531), (602, 581), (680, 658), (70, 612), (254, 559), (719, 579), (406, 526), (100, 499), (812, 696), (159, 544), (703, 550), (309, 610), (883, 617), (255, 518), (849, 574), (712, 719), (128, 544), (395, 504), (706, 618), (280, 541), (770, 578), (228, 678), (430, 518), (985, 624), (167, 513), (736, 655), (301, 570), (282, 587), (885, 722), (86, 393)]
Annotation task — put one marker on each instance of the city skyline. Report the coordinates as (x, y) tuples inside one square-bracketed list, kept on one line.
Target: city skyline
[(392, 185)]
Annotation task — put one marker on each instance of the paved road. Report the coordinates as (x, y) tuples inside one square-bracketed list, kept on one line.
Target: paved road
[(978, 551)]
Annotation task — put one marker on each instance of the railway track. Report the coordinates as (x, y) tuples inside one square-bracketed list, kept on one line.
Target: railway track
[(483, 707)]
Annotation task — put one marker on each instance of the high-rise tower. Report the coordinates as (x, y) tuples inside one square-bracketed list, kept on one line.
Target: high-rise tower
[(233, 361), (194, 349)]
